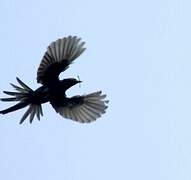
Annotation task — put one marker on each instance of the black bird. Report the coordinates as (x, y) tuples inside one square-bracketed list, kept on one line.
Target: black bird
[(59, 55)]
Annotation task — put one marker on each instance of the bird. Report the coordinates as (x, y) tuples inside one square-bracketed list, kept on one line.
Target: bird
[(59, 55)]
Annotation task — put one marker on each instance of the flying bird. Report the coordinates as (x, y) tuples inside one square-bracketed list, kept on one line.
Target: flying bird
[(57, 58)]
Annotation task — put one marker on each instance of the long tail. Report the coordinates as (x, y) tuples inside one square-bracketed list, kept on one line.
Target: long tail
[(23, 96), (19, 105)]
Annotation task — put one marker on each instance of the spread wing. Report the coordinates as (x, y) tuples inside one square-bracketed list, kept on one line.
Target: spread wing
[(59, 55), (85, 108)]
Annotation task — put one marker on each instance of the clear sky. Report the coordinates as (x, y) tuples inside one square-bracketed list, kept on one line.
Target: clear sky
[(139, 53)]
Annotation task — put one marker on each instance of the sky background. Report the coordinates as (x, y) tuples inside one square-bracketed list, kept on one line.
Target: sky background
[(138, 53)]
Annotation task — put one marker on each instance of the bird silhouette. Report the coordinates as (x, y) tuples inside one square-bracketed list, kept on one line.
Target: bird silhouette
[(59, 55)]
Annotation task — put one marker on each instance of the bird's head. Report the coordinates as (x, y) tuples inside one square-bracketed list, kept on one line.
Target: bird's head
[(70, 82)]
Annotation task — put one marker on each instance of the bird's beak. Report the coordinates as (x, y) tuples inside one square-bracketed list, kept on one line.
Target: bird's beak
[(79, 82)]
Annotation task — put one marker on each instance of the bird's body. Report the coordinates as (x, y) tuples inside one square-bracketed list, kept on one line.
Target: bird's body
[(57, 92), (39, 96), (59, 55)]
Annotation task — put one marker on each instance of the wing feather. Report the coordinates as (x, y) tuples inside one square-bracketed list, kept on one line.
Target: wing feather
[(84, 109), (59, 55)]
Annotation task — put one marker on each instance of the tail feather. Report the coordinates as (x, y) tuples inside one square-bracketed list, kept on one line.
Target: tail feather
[(31, 112), (19, 88), (9, 99), (22, 95), (20, 105), (25, 87)]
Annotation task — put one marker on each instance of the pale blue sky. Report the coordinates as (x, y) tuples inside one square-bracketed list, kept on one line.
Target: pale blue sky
[(138, 52)]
